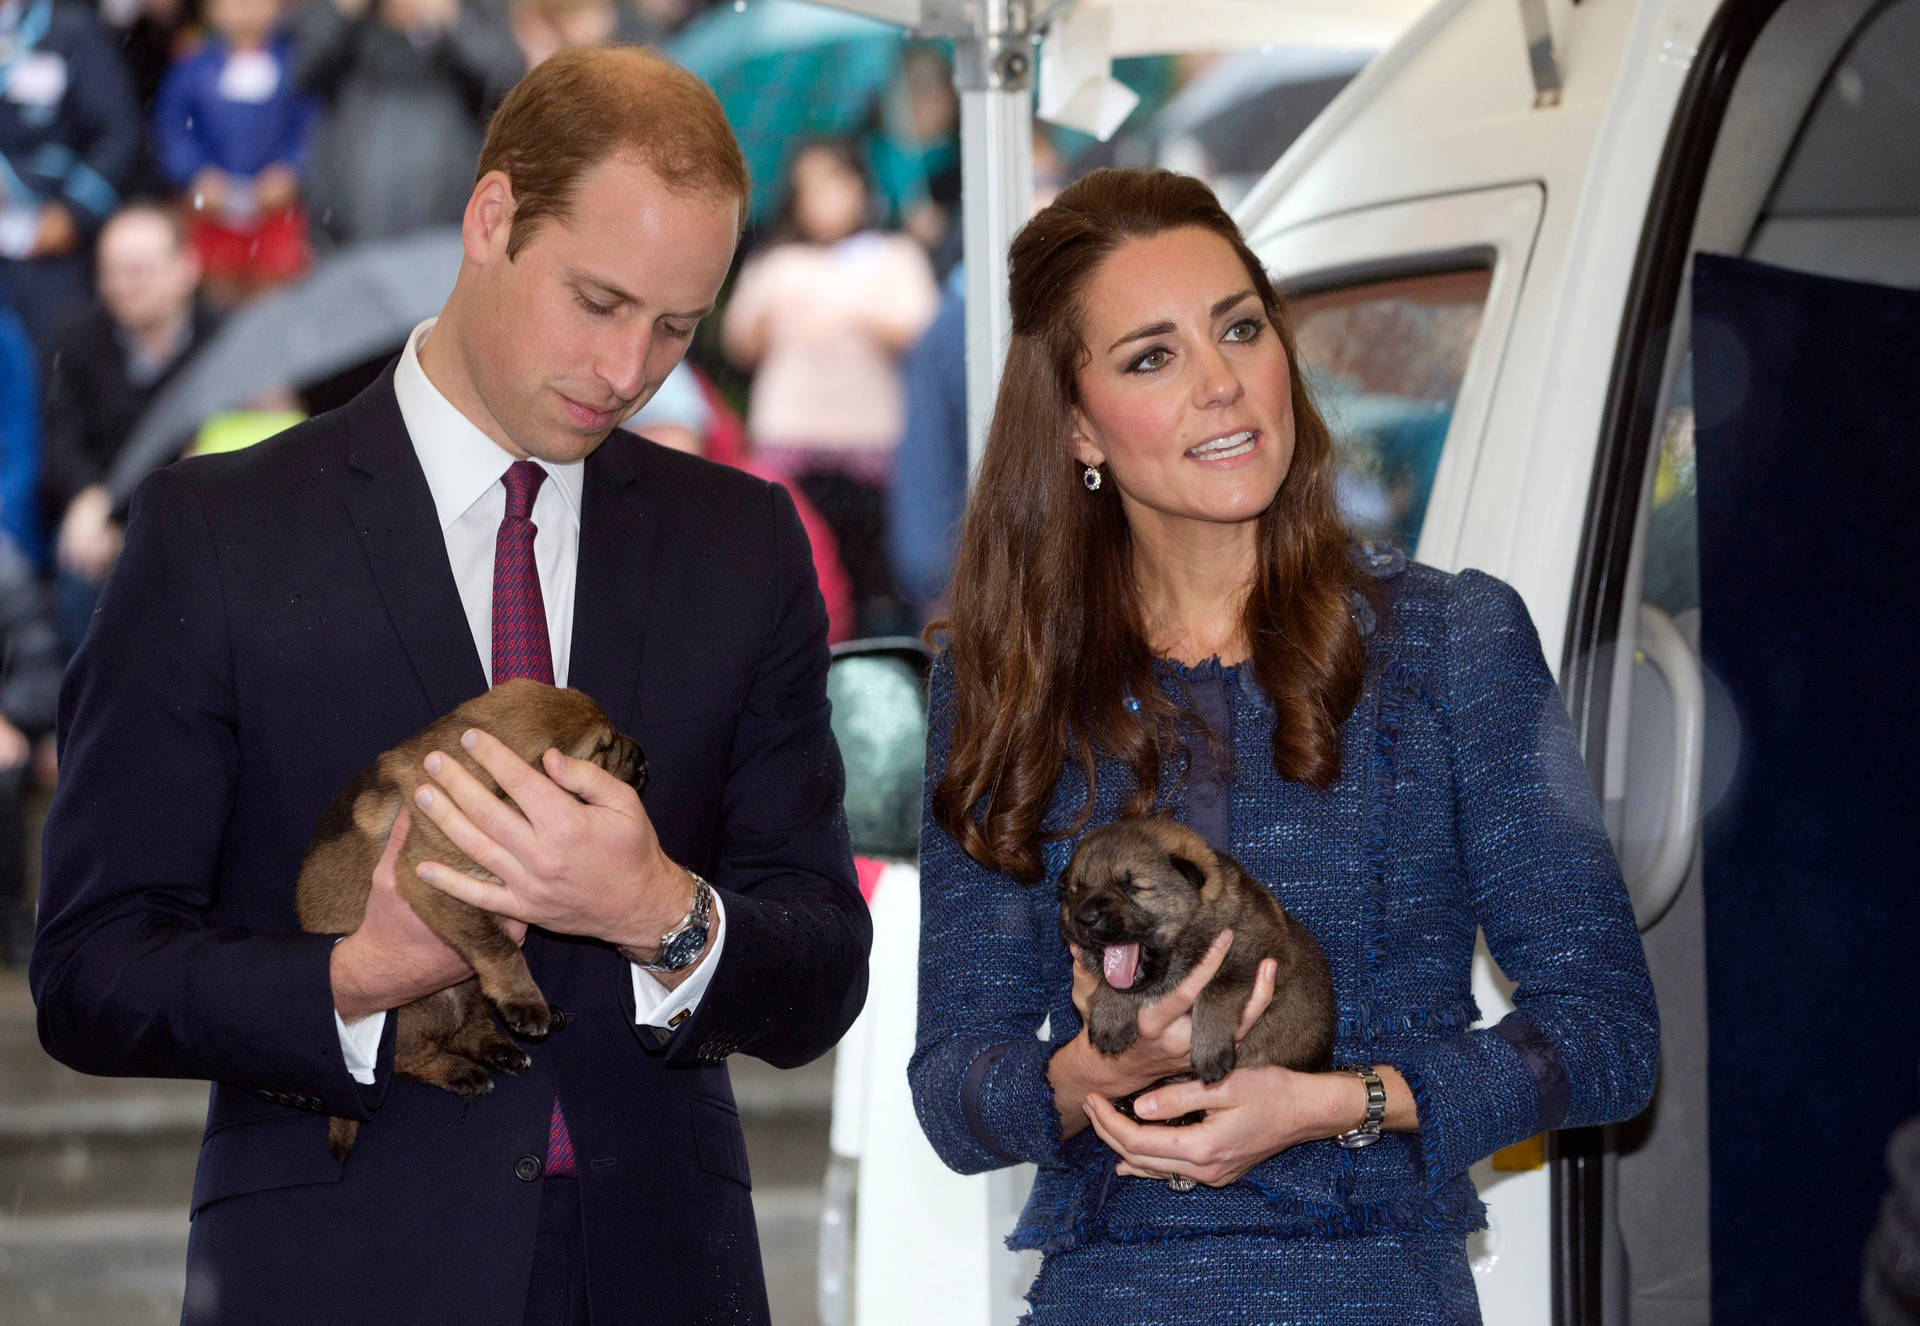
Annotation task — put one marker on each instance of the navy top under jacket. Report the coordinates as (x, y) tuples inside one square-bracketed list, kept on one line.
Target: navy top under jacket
[(279, 617), (1462, 803)]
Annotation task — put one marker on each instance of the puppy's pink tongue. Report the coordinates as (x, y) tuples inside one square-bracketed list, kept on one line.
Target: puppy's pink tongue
[(1122, 965)]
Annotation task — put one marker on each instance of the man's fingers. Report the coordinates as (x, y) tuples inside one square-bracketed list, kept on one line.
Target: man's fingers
[(481, 845), (488, 897), (1156, 1019), (588, 781), (1261, 997), (390, 855), (530, 789)]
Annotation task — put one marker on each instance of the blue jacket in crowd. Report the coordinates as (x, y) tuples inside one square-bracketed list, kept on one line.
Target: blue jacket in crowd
[(1462, 803), (19, 438), (69, 125), (196, 125)]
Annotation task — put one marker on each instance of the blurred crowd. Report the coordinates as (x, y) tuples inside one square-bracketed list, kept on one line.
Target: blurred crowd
[(170, 168), (220, 216)]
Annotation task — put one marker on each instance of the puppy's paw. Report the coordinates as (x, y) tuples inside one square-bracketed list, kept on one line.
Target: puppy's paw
[(1113, 1030), (505, 1057), (528, 1017), (1213, 1062), (465, 1078)]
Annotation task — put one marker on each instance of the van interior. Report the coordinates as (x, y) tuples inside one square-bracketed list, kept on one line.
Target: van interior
[(1776, 493)]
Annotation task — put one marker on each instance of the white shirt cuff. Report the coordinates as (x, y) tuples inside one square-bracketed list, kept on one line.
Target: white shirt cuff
[(360, 1043), (654, 1005)]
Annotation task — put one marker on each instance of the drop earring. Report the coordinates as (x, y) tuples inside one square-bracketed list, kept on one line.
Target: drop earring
[(1090, 477)]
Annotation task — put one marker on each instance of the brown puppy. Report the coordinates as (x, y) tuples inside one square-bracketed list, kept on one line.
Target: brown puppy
[(448, 1039), (1143, 900)]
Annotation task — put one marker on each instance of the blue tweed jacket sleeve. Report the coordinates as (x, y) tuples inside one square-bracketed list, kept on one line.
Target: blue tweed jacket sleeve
[(1541, 879), (1462, 805), (979, 1070)]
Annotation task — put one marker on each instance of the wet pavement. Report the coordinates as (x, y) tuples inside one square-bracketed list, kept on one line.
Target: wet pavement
[(95, 1175)]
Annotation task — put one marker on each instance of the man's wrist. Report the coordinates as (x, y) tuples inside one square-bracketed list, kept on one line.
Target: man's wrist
[(643, 946), (351, 1000)]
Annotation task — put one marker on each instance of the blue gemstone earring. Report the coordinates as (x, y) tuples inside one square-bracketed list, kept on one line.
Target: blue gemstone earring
[(1090, 477)]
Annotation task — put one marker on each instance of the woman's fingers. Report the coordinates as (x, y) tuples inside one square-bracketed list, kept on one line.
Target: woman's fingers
[(1083, 981), (1262, 996), (1138, 1146), (1155, 1020)]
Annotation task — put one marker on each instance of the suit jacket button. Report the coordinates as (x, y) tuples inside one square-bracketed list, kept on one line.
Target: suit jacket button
[(556, 1019), (527, 1168)]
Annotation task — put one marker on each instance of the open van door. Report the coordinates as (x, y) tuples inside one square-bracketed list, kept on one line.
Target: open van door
[(1747, 551)]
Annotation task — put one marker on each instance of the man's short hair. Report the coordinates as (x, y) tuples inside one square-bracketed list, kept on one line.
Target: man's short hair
[(582, 106), (167, 214)]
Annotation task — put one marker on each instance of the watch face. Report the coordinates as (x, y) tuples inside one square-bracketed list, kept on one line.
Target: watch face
[(682, 949)]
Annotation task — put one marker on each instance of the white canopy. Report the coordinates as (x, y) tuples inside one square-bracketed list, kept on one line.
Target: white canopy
[(1078, 39)]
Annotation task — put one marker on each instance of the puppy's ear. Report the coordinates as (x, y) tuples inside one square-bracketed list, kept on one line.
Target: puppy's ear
[(374, 812), (1195, 875)]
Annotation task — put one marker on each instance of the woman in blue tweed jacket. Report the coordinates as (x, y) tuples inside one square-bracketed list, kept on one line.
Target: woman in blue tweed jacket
[(1159, 612)]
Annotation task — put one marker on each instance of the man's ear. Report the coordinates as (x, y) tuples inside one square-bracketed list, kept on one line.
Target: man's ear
[(488, 221)]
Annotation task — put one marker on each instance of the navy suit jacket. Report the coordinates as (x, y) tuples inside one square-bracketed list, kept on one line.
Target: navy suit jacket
[(279, 617)]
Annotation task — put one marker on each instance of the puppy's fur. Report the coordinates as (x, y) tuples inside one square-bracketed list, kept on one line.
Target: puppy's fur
[(1143, 900), (449, 1039)]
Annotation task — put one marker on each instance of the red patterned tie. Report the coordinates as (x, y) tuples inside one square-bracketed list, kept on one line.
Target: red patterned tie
[(521, 649)]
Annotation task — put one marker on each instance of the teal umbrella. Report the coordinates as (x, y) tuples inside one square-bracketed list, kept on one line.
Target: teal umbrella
[(786, 71)]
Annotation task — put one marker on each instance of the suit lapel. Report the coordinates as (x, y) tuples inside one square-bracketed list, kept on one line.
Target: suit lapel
[(613, 587), (393, 510)]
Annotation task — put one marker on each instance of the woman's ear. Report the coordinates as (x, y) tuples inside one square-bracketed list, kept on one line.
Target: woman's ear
[(1084, 449)]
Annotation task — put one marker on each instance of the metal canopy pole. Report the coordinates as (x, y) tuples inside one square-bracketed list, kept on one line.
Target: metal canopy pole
[(993, 73)]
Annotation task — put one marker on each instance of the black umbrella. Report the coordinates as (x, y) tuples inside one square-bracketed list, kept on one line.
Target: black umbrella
[(356, 304)]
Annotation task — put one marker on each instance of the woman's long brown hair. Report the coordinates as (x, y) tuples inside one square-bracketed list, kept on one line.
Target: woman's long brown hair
[(1047, 634)]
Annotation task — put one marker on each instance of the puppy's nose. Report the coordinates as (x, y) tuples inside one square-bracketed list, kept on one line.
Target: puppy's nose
[(1088, 914)]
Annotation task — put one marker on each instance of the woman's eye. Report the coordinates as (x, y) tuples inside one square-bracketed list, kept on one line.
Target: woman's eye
[(598, 310), (1148, 361), (677, 332), (1247, 329)]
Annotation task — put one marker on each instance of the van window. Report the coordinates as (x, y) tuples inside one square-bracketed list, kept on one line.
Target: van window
[(1384, 361)]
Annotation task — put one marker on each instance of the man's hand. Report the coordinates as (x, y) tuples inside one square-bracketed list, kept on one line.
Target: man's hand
[(393, 958), (209, 189), (57, 234), (89, 540), (14, 746), (276, 188), (574, 849)]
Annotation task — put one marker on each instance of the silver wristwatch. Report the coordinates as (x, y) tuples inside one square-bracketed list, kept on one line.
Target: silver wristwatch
[(1368, 1131), (682, 946)]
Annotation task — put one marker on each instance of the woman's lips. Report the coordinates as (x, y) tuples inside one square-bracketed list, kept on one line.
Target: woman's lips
[(1228, 447)]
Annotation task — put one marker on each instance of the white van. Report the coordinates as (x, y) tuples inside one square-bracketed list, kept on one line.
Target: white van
[(1490, 239)]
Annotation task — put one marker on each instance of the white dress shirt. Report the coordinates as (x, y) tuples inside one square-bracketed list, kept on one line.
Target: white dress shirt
[(464, 468)]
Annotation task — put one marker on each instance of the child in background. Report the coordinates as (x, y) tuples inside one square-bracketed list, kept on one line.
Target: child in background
[(231, 130)]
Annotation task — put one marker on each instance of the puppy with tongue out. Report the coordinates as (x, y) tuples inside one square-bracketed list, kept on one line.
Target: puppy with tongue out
[(1142, 901)]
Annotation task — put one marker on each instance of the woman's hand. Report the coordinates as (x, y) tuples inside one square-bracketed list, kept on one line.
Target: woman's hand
[(1163, 1047), (1252, 1113)]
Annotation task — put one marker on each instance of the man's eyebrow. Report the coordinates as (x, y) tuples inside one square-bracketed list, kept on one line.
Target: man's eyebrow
[(1162, 328), (614, 292)]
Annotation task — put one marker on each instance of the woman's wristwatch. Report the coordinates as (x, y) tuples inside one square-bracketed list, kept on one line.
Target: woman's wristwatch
[(1368, 1130)]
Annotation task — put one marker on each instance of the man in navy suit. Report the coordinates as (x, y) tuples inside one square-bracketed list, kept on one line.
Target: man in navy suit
[(282, 615)]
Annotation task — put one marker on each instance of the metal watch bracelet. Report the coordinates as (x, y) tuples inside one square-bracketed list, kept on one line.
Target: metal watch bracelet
[(1367, 1132), (668, 957)]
